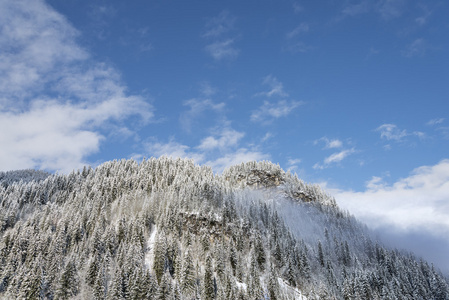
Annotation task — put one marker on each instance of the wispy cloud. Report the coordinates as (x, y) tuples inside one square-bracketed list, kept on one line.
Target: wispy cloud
[(222, 43), (227, 138), (223, 50), (389, 9), (437, 124), (298, 47), (422, 20), (293, 43), (220, 150), (334, 158), (301, 28), (196, 107), (391, 132), (356, 9), (417, 48), (267, 136), (435, 121), (236, 157), (218, 161), (219, 25), (56, 101), (338, 156), (206, 89), (173, 149), (292, 164), (297, 8), (276, 87), (100, 17), (329, 143), (271, 111)]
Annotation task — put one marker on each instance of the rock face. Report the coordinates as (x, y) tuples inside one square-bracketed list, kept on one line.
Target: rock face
[(255, 174), (266, 175), (262, 179)]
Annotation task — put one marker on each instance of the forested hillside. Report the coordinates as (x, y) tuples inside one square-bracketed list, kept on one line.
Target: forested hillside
[(169, 229)]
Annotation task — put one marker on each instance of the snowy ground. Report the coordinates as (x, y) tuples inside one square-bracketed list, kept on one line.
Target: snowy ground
[(290, 291), (149, 252)]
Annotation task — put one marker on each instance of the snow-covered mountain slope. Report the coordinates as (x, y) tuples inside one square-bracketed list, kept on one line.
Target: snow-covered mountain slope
[(169, 229)]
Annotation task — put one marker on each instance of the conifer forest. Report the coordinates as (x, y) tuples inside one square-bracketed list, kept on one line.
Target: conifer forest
[(166, 228)]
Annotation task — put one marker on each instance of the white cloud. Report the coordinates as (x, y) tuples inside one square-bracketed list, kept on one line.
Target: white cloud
[(298, 47), (297, 8), (267, 136), (419, 134), (276, 87), (196, 109), (223, 50), (389, 9), (227, 138), (219, 25), (34, 40), (173, 149), (338, 156), (417, 202), (206, 89), (356, 9), (334, 144), (329, 144), (334, 158), (235, 158), (422, 20), (417, 48), (376, 183), (301, 28), (222, 43), (270, 111), (294, 161), (56, 102), (205, 153), (292, 164), (435, 121), (391, 132)]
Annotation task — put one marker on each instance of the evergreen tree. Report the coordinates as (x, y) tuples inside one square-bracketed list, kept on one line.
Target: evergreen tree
[(159, 257), (187, 275), (320, 254), (164, 290), (68, 282), (209, 287), (115, 288), (31, 285), (273, 285)]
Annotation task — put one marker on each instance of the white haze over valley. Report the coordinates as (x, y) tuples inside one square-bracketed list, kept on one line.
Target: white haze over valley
[(411, 213)]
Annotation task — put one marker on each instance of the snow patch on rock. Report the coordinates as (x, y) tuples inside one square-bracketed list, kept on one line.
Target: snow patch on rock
[(289, 291), (149, 250)]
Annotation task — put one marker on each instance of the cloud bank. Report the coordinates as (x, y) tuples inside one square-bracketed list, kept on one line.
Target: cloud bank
[(412, 209), (56, 103), (419, 202)]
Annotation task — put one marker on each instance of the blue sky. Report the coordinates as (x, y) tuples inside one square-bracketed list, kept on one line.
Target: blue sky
[(349, 94)]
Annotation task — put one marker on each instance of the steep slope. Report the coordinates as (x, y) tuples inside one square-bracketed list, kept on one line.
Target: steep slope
[(169, 229)]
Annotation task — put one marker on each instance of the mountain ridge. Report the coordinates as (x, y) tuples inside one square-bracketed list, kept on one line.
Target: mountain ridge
[(169, 229)]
